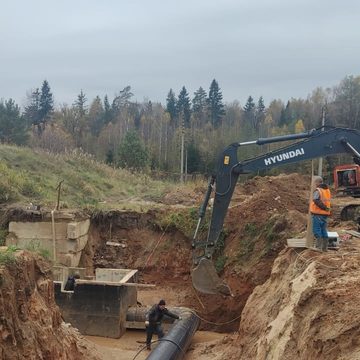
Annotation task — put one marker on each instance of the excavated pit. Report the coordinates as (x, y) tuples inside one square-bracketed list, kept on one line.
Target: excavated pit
[(263, 214), (132, 240)]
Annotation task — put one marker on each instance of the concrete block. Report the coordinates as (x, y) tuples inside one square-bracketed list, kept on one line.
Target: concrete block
[(113, 275), (38, 230), (77, 229), (81, 242)]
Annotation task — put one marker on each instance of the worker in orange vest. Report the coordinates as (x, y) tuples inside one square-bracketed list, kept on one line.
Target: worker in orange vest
[(320, 212)]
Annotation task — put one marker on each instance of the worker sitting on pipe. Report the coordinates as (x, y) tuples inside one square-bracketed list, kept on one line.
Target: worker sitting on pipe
[(153, 321)]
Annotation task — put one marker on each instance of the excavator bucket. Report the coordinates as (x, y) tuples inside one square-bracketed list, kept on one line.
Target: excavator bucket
[(206, 280)]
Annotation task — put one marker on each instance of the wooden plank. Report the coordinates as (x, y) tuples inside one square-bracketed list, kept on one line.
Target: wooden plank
[(128, 276), (297, 243), (354, 233), (138, 285), (113, 283)]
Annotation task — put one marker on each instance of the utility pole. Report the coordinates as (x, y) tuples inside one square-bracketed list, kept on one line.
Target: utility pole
[(186, 165), (58, 197), (182, 151), (322, 124)]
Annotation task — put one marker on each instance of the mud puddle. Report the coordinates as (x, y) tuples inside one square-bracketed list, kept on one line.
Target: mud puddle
[(129, 345)]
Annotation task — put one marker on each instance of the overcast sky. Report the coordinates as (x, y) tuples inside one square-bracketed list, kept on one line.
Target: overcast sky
[(277, 49)]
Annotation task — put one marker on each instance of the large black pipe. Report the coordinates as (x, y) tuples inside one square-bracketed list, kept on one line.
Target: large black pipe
[(175, 343)]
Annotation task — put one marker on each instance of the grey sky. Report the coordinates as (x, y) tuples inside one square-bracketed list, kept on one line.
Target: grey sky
[(278, 49)]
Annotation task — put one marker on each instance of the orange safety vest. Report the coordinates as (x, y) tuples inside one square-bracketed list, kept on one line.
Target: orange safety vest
[(325, 197)]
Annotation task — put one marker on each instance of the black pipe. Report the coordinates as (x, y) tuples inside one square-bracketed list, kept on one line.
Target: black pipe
[(174, 344)]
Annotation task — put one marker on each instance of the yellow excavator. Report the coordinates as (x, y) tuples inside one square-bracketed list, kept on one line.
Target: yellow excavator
[(313, 144)]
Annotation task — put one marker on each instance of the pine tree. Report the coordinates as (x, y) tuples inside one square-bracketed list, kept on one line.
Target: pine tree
[(13, 127), (96, 116), (199, 104), (260, 106), (249, 111), (171, 105), (132, 153), (79, 104), (286, 117), (259, 113), (80, 119), (215, 104), (107, 110), (122, 100), (109, 157), (32, 111), (194, 161), (46, 103), (183, 107)]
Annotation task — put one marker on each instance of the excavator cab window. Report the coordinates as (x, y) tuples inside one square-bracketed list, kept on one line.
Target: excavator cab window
[(347, 178)]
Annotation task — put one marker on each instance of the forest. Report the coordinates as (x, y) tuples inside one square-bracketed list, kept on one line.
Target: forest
[(148, 136)]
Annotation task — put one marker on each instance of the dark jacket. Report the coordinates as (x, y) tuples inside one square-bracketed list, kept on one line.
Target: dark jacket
[(70, 283), (155, 315)]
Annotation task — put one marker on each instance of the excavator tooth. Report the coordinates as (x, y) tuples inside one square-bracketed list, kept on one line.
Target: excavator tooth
[(206, 280)]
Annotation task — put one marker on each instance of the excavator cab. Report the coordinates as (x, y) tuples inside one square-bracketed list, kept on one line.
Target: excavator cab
[(347, 180)]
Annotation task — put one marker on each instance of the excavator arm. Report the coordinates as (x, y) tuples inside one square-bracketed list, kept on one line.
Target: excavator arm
[(315, 143)]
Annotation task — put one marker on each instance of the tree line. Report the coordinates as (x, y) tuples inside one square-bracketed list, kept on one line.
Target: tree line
[(148, 135)]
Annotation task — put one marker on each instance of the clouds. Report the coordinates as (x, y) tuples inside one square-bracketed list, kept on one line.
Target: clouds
[(272, 48)]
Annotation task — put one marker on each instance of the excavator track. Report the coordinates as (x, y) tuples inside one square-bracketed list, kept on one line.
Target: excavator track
[(345, 209)]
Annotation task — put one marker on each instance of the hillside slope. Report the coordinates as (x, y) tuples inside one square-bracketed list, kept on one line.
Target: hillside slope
[(29, 175)]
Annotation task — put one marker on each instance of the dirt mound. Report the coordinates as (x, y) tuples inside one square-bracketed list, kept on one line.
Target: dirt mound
[(309, 308), (31, 326), (187, 196)]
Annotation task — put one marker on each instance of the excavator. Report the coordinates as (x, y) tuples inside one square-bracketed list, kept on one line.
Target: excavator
[(312, 144), (346, 204)]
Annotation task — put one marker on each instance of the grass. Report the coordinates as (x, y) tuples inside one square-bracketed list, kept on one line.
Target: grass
[(219, 257), (259, 240), (220, 263), (8, 256), (184, 220), (35, 247), (33, 175), (3, 234)]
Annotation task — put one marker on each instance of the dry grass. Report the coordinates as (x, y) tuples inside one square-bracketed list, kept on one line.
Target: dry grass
[(33, 175)]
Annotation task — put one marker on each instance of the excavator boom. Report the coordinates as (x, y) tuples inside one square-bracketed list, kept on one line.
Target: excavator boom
[(313, 144)]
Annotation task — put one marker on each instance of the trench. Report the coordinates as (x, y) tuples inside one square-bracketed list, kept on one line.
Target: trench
[(134, 240)]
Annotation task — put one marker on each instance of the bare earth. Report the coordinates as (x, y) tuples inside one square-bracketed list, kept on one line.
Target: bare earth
[(129, 345)]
